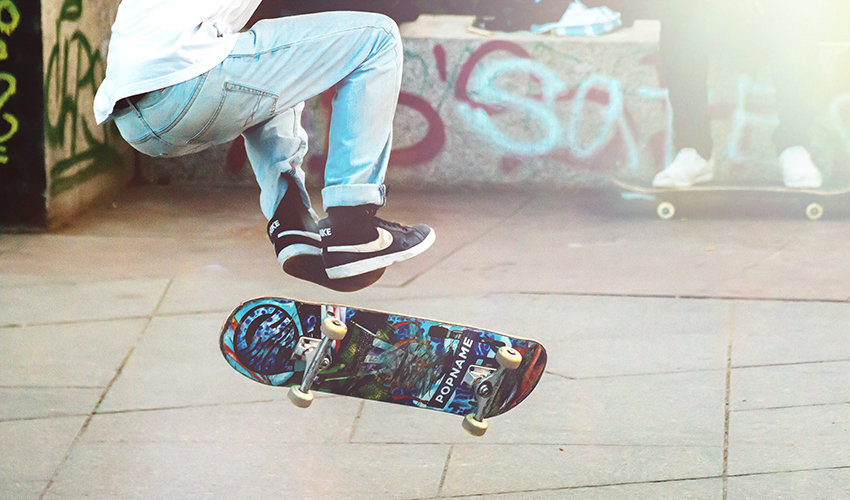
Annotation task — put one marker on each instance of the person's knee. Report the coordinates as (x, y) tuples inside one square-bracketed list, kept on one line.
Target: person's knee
[(385, 35), (380, 22)]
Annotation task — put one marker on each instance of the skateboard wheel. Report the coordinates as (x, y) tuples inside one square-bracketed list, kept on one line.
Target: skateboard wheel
[(333, 328), (666, 210), (814, 211), (300, 399), (508, 358), (473, 426)]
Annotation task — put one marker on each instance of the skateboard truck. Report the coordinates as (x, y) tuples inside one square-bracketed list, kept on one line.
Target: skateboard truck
[(486, 387), (316, 358)]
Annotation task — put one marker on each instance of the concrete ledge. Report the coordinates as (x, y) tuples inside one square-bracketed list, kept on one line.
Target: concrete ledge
[(516, 109)]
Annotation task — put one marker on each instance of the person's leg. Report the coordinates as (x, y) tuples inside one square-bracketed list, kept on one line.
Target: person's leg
[(792, 33), (278, 64), (796, 66), (357, 54), (367, 59), (684, 63), (274, 67), (276, 151)]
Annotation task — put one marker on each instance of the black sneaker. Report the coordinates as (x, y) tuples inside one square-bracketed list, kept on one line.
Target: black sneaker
[(355, 242), (292, 230), (297, 244)]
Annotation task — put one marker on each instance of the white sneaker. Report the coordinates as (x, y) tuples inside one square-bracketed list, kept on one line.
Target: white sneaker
[(687, 169), (798, 170)]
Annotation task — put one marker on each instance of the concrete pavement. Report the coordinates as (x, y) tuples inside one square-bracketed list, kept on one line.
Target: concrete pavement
[(706, 358)]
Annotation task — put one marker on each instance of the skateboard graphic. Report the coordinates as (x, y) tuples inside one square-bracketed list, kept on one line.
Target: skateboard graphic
[(668, 199), (381, 356)]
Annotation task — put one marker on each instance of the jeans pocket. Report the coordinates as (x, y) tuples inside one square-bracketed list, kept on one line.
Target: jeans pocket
[(239, 108)]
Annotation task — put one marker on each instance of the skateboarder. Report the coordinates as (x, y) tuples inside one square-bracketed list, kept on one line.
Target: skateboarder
[(784, 32), (180, 78)]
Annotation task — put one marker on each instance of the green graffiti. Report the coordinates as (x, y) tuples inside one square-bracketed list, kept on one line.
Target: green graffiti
[(7, 7), (73, 70), (9, 19)]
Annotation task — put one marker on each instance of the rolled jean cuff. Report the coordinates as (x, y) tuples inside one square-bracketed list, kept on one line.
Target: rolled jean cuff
[(352, 195)]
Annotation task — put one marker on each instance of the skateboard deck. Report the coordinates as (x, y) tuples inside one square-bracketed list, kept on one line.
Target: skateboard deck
[(382, 356), (668, 200)]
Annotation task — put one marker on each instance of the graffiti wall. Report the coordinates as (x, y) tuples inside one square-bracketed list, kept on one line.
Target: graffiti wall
[(54, 160), (82, 160), (540, 110)]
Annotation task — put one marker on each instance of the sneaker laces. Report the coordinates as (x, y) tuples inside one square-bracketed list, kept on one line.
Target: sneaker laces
[(372, 210), (392, 225)]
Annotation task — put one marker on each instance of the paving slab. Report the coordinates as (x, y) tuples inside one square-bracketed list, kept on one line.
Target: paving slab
[(480, 469), (789, 439), (807, 384), (87, 301), (695, 489), (769, 333), (178, 363), (246, 423), (19, 403), (191, 471), (33, 450), (86, 354), (828, 484), (22, 490)]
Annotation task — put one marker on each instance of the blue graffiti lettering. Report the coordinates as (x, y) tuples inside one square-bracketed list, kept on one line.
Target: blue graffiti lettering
[(484, 88), (745, 119), (614, 116), (542, 108)]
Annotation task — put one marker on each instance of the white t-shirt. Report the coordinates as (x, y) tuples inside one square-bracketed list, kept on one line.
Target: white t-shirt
[(159, 43)]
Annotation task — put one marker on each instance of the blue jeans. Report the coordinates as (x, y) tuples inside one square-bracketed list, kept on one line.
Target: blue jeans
[(259, 92)]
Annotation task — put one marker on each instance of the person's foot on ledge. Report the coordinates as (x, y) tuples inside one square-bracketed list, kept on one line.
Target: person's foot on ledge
[(687, 169)]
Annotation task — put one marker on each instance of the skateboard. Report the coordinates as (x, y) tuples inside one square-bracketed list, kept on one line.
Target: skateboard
[(668, 200), (381, 356)]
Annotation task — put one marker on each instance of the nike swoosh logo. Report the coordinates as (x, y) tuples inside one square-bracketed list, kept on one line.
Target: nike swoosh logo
[(306, 234), (381, 243)]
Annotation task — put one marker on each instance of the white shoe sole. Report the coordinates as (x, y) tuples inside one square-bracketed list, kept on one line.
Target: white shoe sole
[(368, 265), (808, 184), (296, 250), (683, 184)]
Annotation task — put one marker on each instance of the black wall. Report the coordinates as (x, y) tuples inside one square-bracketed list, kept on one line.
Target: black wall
[(22, 171)]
